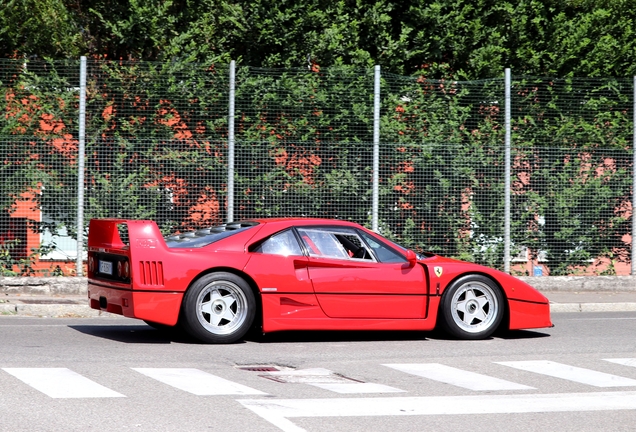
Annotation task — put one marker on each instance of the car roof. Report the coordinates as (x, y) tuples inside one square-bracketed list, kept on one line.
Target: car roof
[(304, 221)]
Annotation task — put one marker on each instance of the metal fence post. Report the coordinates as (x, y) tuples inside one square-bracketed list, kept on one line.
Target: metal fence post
[(376, 149), (507, 175), (79, 264), (634, 185), (230, 146)]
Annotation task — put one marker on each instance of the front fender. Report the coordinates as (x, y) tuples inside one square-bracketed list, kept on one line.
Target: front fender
[(527, 307)]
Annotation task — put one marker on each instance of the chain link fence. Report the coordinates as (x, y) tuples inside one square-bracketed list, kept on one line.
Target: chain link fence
[(156, 147)]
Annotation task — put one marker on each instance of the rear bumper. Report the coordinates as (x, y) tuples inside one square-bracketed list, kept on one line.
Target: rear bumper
[(156, 306), (527, 315)]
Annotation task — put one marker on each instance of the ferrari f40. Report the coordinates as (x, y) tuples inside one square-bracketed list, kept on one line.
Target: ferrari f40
[(296, 274)]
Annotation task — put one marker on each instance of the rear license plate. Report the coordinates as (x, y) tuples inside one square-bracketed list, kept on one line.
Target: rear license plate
[(106, 267)]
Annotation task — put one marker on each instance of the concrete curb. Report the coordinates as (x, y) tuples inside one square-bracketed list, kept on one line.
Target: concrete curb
[(53, 311), (60, 311), (592, 307)]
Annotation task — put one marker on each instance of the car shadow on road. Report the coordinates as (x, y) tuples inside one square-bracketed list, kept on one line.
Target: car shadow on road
[(144, 334), (378, 336), (336, 336), (520, 334), (500, 334), (138, 334)]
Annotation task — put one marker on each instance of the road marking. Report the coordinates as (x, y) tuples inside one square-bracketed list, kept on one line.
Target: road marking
[(458, 377), (279, 411), (328, 380), (623, 361), (358, 388), (571, 373), (197, 382), (61, 383)]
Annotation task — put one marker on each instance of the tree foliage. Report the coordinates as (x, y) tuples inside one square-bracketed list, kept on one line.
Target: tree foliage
[(156, 140), (465, 39)]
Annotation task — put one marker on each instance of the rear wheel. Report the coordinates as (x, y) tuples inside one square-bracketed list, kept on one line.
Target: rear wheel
[(219, 308), (472, 307)]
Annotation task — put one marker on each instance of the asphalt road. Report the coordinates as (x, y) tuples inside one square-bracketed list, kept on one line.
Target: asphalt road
[(116, 374)]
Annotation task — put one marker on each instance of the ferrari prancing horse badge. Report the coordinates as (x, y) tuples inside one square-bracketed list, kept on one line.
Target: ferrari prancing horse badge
[(438, 271)]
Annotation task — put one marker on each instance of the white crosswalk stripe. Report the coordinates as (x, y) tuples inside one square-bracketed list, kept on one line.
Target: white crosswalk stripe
[(328, 380), (61, 383), (571, 373), (65, 383), (623, 361), (197, 382), (458, 377), (279, 411), (358, 388)]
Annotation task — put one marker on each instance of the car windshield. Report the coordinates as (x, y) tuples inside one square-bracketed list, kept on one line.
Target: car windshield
[(403, 249), (206, 236)]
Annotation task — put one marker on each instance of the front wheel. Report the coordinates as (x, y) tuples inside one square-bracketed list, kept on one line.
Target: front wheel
[(472, 308), (219, 308)]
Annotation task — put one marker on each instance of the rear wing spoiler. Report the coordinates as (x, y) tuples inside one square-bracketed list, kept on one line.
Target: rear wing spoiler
[(130, 248), (124, 234)]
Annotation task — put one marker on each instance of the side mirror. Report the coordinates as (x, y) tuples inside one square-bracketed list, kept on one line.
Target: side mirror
[(411, 257)]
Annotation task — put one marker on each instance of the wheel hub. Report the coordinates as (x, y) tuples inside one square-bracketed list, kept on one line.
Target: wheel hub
[(218, 307), (472, 306)]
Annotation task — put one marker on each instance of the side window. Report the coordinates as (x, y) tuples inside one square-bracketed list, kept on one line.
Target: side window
[(283, 243), (334, 243), (322, 243), (354, 246), (383, 252)]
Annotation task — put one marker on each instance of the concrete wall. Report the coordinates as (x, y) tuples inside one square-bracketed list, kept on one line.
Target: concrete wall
[(582, 283), (46, 286)]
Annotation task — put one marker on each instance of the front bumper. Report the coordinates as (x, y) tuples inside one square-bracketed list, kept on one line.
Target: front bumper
[(528, 315)]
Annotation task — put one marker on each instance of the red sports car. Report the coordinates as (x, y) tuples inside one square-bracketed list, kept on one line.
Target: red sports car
[(296, 274)]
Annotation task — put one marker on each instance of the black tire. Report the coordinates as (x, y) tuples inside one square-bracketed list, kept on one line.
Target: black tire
[(219, 308), (472, 308)]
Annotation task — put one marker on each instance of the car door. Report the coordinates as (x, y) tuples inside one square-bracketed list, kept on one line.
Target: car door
[(278, 265), (358, 277)]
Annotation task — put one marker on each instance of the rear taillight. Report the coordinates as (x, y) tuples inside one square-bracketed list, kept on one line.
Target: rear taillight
[(123, 269)]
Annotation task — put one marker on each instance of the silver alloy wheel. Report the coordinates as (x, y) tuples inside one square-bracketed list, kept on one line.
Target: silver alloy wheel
[(221, 307), (474, 307)]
